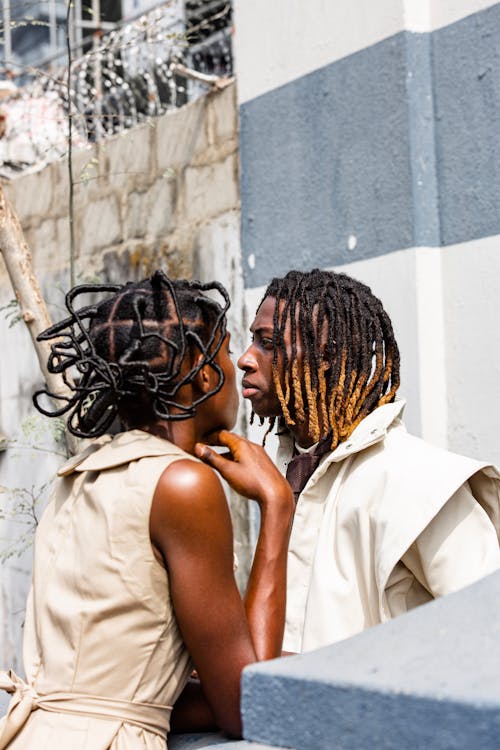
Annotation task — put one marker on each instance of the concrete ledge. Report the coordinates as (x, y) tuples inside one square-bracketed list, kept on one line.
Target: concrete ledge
[(429, 679), (198, 741)]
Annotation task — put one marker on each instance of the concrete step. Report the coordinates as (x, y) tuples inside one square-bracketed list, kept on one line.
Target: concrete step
[(428, 679)]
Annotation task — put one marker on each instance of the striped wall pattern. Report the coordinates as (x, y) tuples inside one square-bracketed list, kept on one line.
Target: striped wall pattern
[(384, 161)]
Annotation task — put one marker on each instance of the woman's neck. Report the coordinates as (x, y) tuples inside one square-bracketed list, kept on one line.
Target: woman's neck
[(180, 432)]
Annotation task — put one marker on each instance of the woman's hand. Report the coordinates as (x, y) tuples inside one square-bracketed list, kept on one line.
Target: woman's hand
[(247, 469)]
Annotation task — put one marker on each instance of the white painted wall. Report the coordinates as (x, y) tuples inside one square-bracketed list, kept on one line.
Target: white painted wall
[(471, 294), (443, 12), (392, 279), (276, 42)]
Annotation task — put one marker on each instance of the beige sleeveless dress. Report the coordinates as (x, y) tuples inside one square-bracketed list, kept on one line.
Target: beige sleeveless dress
[(104, 657)]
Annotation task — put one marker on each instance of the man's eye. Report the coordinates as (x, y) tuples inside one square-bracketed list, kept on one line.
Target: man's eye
[(262, 341)]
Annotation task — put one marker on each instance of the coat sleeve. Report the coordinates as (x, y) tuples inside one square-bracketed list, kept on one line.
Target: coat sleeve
[(458, 546)]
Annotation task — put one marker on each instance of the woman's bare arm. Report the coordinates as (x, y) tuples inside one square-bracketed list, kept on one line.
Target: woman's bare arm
[(191, 527)]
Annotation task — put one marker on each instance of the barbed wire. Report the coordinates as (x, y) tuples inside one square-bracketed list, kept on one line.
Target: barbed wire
[(140, 70)]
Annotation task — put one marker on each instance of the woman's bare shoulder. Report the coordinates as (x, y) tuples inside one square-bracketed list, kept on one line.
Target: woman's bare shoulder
[(188, 475), (188, 487)]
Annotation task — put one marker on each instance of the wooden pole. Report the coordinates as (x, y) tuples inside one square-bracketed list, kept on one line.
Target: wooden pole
[(17, 258)]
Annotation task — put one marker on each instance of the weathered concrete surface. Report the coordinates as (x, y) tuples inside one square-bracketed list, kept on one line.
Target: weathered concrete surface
[(142, 197), (428, 679), (215, 741)]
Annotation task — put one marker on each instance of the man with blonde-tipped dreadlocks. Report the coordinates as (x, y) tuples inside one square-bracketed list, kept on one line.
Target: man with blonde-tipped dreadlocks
[(384, 521)]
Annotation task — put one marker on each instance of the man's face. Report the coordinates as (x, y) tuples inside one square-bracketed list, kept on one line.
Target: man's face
[(256, 362)]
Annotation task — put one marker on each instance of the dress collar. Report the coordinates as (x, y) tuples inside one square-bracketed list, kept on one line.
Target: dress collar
[(108, 452)]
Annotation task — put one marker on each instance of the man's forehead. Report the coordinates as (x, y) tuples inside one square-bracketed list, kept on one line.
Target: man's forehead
[(265, 315), (264, 318)]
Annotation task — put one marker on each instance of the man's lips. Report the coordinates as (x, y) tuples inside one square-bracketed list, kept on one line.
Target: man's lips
[(248, 389)]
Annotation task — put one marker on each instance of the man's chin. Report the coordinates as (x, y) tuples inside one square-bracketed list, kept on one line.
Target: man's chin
[(261, 405), (264, 413)]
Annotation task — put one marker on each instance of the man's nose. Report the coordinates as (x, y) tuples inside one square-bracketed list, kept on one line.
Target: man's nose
[(247, 361)]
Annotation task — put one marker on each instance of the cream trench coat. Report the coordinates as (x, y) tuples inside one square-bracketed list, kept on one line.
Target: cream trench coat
[(386, 522)]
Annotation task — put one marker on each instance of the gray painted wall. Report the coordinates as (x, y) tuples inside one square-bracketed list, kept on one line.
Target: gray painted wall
[(391, 147), (324, 158), (466, 65)]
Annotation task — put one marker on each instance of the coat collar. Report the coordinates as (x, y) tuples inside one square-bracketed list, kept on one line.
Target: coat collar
[(372, 429)]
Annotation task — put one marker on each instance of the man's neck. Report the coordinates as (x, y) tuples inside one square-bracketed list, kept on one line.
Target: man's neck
[(302, 437), (302, 440)]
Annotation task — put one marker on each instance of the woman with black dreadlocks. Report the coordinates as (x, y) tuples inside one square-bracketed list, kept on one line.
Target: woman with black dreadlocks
[(133, 578), (384, 521)]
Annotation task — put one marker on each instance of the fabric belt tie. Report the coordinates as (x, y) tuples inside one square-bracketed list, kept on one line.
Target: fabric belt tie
[(150, 716)]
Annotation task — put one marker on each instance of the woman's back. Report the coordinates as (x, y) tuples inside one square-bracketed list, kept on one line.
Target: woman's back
[(101, 621)]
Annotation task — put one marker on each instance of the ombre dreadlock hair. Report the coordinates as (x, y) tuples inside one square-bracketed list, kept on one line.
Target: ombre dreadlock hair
[(129, 354), (339, 321)]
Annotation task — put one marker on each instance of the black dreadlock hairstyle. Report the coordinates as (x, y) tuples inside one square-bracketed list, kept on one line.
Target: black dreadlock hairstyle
[(340, 322), (128, 351)]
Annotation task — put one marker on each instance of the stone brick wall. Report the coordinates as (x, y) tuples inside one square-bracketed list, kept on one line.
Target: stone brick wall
[(141, 198)]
